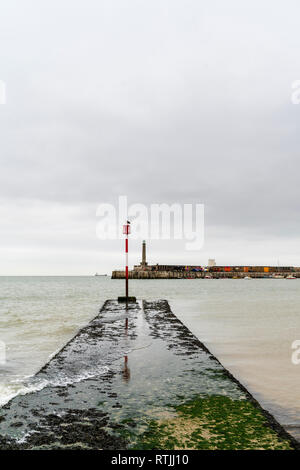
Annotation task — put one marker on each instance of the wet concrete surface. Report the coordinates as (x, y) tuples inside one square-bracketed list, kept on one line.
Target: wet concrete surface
[(103, 387)]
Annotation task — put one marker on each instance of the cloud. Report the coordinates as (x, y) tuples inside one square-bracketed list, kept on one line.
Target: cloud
[(161, 101)]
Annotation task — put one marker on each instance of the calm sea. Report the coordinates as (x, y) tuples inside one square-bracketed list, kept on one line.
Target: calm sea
[(248, 325)]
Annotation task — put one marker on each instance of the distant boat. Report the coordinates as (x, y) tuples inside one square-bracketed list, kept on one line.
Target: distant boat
[(290, 276), (277, 276), (208, 276), (247, 278), (100, 274)]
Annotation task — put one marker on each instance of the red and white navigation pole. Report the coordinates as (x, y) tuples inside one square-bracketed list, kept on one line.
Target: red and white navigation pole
[(126, 231)]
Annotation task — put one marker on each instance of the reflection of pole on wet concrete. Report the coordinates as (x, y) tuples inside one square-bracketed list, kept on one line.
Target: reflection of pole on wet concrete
[(126, 313), (126, 370)]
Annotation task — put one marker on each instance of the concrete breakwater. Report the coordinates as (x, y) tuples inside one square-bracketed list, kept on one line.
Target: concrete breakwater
[(152, 385)]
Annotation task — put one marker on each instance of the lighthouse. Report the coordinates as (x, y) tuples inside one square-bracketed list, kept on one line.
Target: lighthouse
[(144, 263)]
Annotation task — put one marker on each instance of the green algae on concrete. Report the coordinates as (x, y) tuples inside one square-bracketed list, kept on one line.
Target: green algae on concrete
[(210, 423)]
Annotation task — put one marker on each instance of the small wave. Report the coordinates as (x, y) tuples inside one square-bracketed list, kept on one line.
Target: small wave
[(18, 387), (64, 379), (23, 439)]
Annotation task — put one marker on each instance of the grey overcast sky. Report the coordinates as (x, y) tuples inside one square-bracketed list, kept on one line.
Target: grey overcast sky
[(162, 101)]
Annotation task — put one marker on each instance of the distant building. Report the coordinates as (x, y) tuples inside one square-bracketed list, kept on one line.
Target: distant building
[(162, 271)]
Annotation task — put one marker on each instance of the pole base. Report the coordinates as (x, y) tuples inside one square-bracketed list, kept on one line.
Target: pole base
[(126, 299)]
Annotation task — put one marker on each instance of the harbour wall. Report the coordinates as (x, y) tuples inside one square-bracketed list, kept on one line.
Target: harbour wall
[(139, 274)]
